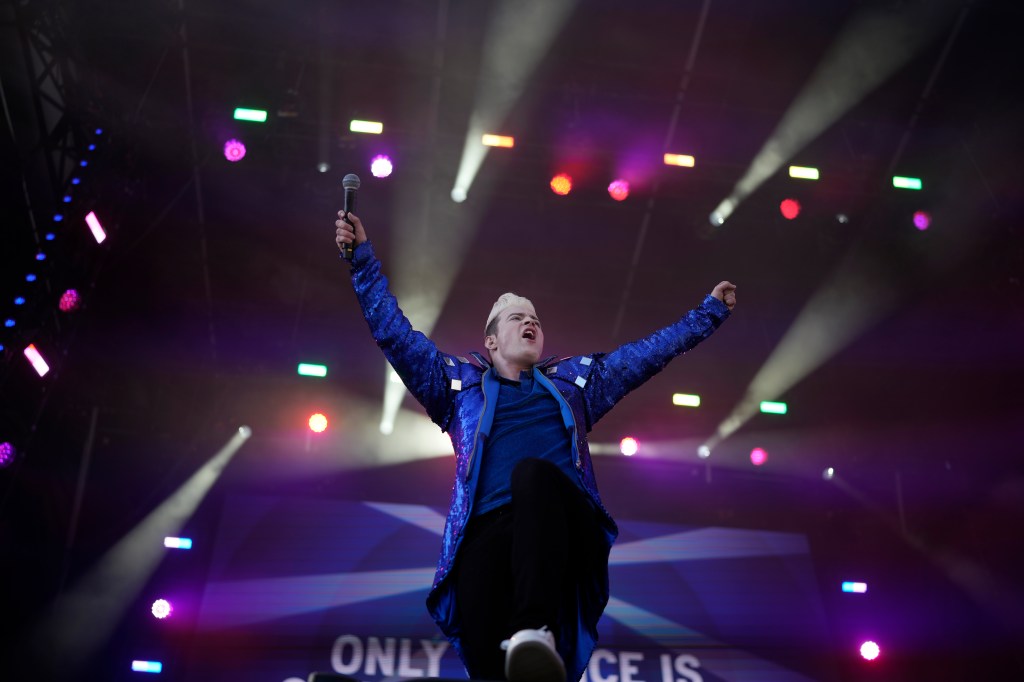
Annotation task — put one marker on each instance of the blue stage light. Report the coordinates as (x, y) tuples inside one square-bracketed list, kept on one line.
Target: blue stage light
[(19, 300), (30, 277), (40, 256), (147, 666), (75, 181), (67, 198), (9, 323), (99, 131), (858, 588), (83, 164), (178, 543), (50, 236), (57, 217)]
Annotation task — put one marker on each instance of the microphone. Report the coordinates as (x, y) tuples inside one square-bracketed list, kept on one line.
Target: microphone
[(351, 183)]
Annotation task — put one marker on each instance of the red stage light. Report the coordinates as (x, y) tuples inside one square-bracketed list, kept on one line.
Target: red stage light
[(790, 208), (561, 184)]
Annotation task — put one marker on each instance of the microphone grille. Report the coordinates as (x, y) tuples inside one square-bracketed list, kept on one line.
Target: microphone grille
[(350, 181)]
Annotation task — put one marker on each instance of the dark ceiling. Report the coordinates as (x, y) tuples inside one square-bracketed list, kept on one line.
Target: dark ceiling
[(218, 278)]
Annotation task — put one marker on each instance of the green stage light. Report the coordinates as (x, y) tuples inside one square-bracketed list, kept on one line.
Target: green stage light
[(685, 400), (804, 173), (310, 370), (256, 115), (906, 183), (769, 407)]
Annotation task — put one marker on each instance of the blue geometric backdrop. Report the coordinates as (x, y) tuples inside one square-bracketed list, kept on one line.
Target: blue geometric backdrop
[(297, 585)]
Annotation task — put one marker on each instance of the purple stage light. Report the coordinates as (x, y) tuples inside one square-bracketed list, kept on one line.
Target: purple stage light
[(381, 166), (619, 190), (161, 608), (98, 233), (234, 151), (36, 358), (7, 453), (70, 301), (922, 220), (758, 456), (869, 650)]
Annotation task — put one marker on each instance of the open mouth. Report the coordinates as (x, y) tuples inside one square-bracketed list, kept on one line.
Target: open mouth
[(530, 334)]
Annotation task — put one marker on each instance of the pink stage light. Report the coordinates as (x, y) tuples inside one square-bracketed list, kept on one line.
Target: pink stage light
[(869, 650), (922, 220), (561, 184), (33, 355), (94, 224), (161, 608), (619, 190), (318, 423), (7, 453), (70, 301), (629, 446), (758, 456), (381, 166), (790, 208), (234, 150)]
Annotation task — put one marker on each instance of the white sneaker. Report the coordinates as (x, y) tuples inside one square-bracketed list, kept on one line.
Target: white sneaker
[(530, 656)]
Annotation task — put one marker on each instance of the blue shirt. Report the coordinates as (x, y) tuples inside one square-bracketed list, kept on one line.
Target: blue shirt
[(527, 423)]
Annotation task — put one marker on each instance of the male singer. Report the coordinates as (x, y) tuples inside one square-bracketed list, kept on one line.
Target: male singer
[(523, 574)]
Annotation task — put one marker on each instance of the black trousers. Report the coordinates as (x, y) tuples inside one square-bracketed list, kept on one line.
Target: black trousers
[(517, 564)]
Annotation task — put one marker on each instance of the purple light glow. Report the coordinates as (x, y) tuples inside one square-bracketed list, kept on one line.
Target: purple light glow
[(619, 190), (161, 608), (922, 220), (869, 650), (98, 233), (69, 301), (36, 358), (758, 456), (7, 453), (381, 166), (234, 151)]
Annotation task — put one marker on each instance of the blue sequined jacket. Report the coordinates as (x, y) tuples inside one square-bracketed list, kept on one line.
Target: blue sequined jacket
[(460, 396)]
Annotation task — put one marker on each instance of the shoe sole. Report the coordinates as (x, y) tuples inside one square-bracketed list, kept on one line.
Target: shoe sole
[(534, 662)]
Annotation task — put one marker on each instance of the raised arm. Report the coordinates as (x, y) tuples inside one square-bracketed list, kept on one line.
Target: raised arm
[(617, 373), (415, 357)]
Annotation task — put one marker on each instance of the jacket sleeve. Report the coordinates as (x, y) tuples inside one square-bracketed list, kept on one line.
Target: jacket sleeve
[(412, 355), (615, 374)]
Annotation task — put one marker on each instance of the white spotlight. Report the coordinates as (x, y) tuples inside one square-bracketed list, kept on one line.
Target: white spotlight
[(244, 431), (828, 474), (703, 452), (323, 167), (458, 195)]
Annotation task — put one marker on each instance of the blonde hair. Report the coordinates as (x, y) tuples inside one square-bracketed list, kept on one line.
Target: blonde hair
[(504, 301)]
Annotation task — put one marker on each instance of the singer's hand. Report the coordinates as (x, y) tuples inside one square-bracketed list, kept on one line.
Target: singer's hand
[(349, 233), (726, 293)]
